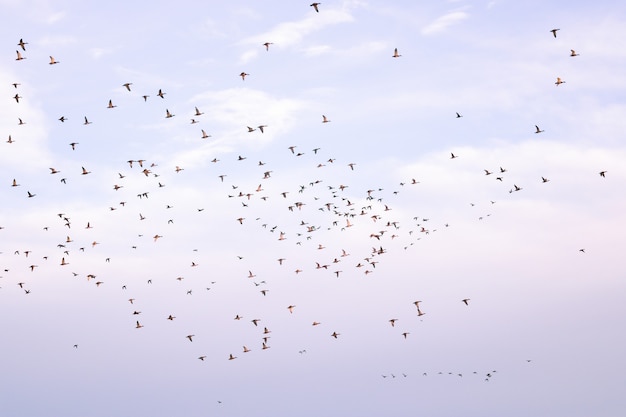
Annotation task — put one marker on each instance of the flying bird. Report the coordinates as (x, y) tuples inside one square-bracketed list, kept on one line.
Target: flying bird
[(19, 56), (22, 44), (554, 32), (573, 53), (53, 61), (396, 54), (315, 6), (325, 119), (267, 45), (537, 130), (559, 81)]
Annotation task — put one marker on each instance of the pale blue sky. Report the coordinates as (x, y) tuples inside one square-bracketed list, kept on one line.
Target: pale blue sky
[(542, 333)]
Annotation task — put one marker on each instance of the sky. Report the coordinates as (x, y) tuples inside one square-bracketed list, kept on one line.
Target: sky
[(412, 155)]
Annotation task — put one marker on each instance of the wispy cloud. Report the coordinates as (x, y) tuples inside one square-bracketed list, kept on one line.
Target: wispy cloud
[(289, 34), (442, 23)]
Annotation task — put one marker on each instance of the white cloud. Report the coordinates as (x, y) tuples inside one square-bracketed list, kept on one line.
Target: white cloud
[(442, 23)]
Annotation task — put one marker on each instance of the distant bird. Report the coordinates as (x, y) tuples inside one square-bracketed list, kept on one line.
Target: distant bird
[(243, 75), (14, 183), (160, 93), (537, 130), (554, 32), (335, 334), (261, 127), (603, 174), (231, 357), (22, 44), (315, 6), (393, 322), (87, 122), (325, 119), (198, 112), (110, 105), (559, 81), (127, 85), (190, 337), (85, 172), (62, 119), (73, 145), (53, 61), (396, 54), (458, 116), (19, 56), (466, 301), (168, 114), (405, 334), (17, 97), (573, 53), (452, 156), (267, 45), (544, 179), (204, 134)]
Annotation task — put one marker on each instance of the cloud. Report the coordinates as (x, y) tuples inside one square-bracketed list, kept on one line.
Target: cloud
[(289, 34), (442, 23)]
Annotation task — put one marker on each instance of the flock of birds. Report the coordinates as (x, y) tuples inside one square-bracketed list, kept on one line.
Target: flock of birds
[(310, 215)]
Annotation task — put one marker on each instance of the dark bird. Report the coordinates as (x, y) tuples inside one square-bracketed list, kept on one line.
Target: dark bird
[(315, 6), (554, 32)]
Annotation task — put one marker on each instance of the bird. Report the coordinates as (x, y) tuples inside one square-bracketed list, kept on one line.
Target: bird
[(458, 116), (452, 156), (110, 105), (315, 6), (325, 119), (466, 300), (22, 44), (189, 336), (393, 322), (537, 130), (53, 61), (19, 56), (243, 75), (17, 97), (85, 172), (87, 122), (559, 81), (231, 357), (127, 85), (168, 114), (396, 54), (198, 112), (573, 53), (160, 94), (267, 45), (544, 179), (554, 32), (335, 334), (603, 174), (14, 183)]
